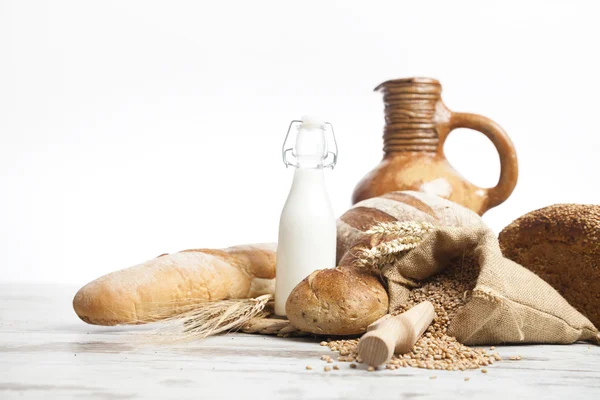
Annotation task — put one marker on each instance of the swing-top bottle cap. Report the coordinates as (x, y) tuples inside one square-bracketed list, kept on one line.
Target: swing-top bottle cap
[(314, 146), (312, 121)]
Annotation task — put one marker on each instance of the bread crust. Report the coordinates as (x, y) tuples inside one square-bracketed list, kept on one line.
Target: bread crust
[(338, 301), (399, 206), (163, 286), (561, 244)]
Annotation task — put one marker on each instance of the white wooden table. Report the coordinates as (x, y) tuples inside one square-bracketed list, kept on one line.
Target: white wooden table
[(47, 352)]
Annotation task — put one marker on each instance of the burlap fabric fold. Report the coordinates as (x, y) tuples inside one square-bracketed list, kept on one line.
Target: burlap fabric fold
[(509, 304)]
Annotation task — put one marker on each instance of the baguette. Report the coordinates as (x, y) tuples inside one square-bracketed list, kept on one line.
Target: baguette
[(164, 286)]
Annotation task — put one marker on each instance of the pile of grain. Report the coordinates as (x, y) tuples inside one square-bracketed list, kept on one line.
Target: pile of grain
[(448, 292)]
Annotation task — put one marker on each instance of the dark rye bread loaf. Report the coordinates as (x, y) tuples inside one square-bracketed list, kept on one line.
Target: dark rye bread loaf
[(345, 300), (561, 243)]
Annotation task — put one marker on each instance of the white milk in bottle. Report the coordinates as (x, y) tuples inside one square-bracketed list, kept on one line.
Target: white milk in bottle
[(307, 228)]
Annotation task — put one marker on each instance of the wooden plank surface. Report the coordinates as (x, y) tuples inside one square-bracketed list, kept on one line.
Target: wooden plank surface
[(47, 352)]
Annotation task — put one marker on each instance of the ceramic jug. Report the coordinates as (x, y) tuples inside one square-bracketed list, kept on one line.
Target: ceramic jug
[(416, 125)]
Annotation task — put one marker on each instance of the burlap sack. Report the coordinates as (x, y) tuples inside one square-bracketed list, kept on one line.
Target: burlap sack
[(509, 303)]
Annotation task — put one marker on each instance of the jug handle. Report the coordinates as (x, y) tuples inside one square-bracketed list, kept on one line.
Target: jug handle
[(509, 169)]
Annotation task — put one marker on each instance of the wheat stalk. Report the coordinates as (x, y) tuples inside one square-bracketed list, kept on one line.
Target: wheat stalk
[(404, 228), (396, 239), (210, 318)]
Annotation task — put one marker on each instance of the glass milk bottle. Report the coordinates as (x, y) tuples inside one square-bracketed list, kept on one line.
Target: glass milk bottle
[(307, 228)]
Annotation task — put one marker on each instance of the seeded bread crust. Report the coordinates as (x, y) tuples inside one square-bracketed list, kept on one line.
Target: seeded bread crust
[(561, 243)]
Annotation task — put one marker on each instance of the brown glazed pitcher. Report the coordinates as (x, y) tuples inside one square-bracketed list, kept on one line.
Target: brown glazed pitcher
[(417, 125)]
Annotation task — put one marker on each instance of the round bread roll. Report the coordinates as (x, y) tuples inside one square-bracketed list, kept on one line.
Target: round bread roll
[(338, 301), (561, 243)]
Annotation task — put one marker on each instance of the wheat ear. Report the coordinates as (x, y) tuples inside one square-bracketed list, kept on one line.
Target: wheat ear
[(210, 318), (396, 239)]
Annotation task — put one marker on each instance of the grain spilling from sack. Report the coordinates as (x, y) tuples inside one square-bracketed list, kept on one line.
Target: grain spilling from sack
[(448, 292)]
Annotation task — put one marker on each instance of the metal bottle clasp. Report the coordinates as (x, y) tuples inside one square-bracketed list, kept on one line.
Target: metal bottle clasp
[(333, 160)]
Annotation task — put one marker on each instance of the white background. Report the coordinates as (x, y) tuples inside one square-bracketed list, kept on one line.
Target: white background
[(133, 128)]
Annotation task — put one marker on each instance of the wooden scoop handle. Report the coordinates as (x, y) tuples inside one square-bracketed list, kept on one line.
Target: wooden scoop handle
[(389, 335)]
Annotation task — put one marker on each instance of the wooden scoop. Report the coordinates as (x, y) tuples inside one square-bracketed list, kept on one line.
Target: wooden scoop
[(398, 334)]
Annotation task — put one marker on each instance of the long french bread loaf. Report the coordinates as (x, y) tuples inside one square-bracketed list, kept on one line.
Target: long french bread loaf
[(159, 288), (345, 300)]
